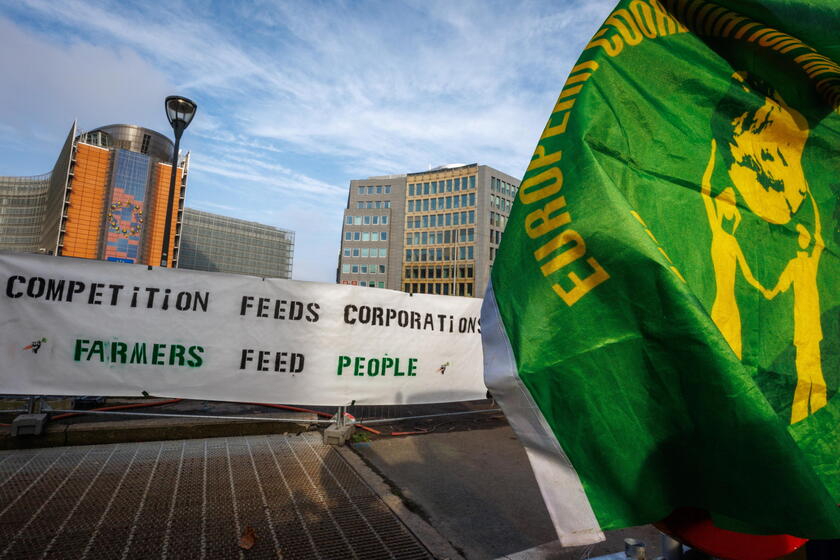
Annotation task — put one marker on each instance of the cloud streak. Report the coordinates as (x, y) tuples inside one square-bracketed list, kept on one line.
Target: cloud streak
[(298, 98)]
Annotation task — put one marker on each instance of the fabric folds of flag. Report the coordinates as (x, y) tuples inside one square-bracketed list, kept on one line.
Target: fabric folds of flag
[(662, 325)]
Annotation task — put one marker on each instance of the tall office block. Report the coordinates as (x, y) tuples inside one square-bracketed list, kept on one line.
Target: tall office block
[(431, 232), (221, 244), (104, 199)]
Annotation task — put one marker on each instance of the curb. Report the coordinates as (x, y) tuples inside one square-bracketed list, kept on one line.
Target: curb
[(425, 533), (156, 429)]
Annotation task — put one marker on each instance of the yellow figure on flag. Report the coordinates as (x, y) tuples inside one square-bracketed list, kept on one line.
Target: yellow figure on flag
[(726, 257), (762, 144), (801, 273)]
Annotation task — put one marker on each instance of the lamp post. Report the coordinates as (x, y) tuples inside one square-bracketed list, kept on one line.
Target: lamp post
[(180, 112)]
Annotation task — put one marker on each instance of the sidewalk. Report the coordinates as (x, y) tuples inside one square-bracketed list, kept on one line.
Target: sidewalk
[(465, 489)]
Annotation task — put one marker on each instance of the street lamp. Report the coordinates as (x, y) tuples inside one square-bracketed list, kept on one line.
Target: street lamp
[(180, 112)]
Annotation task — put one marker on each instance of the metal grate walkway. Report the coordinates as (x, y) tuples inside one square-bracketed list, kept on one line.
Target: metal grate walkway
[(194, 499)]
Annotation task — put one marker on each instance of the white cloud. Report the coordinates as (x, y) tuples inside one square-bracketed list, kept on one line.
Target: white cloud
[(297, 98)]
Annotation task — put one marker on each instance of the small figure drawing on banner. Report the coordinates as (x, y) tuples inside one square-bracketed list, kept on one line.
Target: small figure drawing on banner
[(442, 368), (35, 346)]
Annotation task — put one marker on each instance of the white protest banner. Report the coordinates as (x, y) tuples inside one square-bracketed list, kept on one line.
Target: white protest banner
[(85, 327)]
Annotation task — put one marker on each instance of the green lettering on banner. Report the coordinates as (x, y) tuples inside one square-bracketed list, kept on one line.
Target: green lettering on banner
[(343, 362)]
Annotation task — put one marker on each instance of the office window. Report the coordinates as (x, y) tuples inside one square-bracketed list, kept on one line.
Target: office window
[(425, 204), (425, 188), (370, 204), (374, 220), (348, 235), (424, 238), (357, 220), (361, 190), (365, 252), (370, 190), (374, 236), (425, 221), (408, 239), (381, 284), (411, 190), (346, 252), (387, 204), (472, 216), (356, 236), (381, 269), (383, 252), (387, 189), (384, 220), (449, 185), (383, 235), (472, 199), (365, 236), (432, 220), (364, 268), (472, 181), (355, 269), (377, 204), (379, 189), (470, 254), (411, 206), (433, 204), (345, 268), (355, 251), (349, 220), (366, 220), (360, 205), (455, 219)]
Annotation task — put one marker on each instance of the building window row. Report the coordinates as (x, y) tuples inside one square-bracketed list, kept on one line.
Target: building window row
[(364, 252), (363, 269), (378, 189), (366, 220), (440, 288), (495, 236), (499, 186), (365, 236), (502, 204), (439, 272), (440, 237), (498, 220), (438, 254), (441, 220), (373, 204), (448, 185), (440, 203)]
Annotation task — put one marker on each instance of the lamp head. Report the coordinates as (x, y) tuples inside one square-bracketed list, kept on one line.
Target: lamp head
[(180, 112)]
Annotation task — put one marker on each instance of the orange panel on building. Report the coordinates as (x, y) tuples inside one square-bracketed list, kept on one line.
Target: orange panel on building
[(157, 219), (89, 187)]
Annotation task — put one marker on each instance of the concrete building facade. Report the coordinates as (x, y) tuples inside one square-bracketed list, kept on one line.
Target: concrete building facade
[(441, 229)]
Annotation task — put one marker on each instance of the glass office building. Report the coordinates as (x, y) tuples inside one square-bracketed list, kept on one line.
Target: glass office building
[(431, 232), (221, 244), (105, 198)]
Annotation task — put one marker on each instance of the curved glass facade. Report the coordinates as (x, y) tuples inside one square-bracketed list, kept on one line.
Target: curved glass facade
[(221, 244), (23, 207)]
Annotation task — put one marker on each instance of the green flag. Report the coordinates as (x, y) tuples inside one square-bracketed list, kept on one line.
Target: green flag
[(662, 324)]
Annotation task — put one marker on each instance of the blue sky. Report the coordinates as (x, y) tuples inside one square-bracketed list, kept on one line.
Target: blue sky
[(295, 98)]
